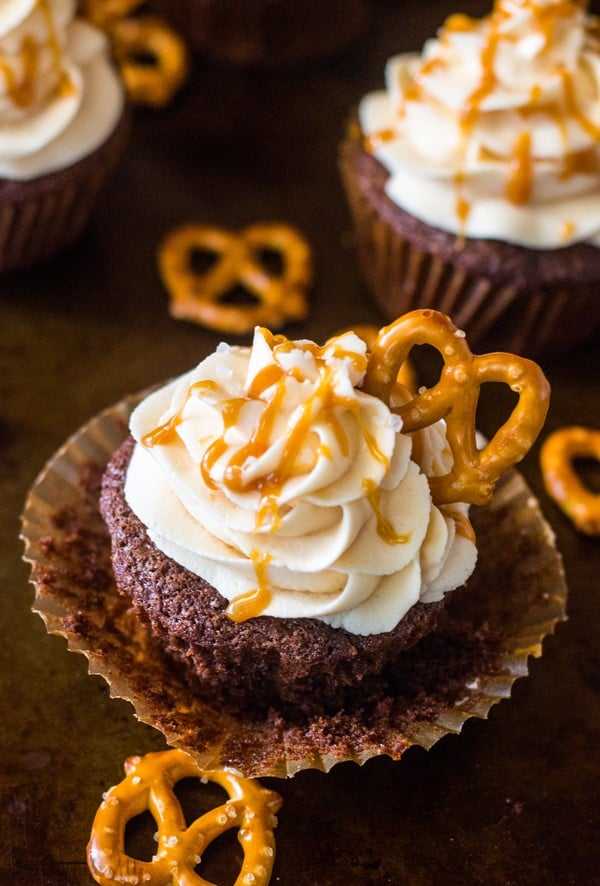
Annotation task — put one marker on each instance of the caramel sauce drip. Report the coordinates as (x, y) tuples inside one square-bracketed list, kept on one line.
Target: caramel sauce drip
[(376, 139), (254, 602), (23, 92), (518, 187), (464, 527), (385, 530), (573, 109)]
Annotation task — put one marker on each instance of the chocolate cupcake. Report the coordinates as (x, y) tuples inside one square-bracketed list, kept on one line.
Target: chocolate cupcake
[(474, 179), (64, 126), (266, 32), (280, 533), (185, 624)]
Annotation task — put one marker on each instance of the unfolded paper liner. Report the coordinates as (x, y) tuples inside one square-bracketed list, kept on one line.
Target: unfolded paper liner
[(518, 591)]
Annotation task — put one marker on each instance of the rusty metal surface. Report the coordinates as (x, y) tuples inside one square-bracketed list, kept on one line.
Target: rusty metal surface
[(513, 800)]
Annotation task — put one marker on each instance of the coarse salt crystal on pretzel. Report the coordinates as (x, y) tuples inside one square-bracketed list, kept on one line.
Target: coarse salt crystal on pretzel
[(562, 483), (149, 786)]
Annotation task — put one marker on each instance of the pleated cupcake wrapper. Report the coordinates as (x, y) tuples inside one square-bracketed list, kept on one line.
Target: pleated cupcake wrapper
[(522, 594), (402, 278), (43, 225)]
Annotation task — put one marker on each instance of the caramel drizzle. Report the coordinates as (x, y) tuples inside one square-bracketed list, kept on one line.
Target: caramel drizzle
[(464, 527), (385, 530), (519, 183), (269, 386), (254, 602), (23, 92)]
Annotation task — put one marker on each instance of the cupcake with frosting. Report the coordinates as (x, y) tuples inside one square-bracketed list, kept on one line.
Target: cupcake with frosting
[(279, 527), (474, 177), (63, 127), (267, 556)]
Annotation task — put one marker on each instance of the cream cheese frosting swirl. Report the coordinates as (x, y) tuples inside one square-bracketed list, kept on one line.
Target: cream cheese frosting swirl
[(268, 472), (60, 97), (493, 130)]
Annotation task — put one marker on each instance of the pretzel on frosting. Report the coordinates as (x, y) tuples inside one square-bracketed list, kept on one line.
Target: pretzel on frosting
[(149, 786), (562, 484), (454, 398), (152, 58), (407, 376), (201, 297)]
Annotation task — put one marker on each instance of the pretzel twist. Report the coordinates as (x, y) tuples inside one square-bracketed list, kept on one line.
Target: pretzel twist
[(149, 786), (562, 484), (200, 296), (454, 398), (137, 40), (407, 376)]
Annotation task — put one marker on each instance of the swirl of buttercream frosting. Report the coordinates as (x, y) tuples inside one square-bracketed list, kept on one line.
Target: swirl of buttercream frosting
[(60, 96), (493, 130), (268, 472)]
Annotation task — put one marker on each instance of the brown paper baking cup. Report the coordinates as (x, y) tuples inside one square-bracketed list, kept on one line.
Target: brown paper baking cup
[(401, 277), (514, 600), (41, 217)]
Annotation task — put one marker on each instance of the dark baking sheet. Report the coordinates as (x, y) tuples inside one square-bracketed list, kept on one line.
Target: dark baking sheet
[(513, 800)]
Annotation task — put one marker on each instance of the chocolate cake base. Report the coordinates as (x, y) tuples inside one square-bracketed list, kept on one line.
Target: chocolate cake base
[(303, 665), (506, 297)]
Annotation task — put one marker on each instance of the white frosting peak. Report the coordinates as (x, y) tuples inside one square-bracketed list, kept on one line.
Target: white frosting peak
[(267, 471), (60, 97), (494, 130)]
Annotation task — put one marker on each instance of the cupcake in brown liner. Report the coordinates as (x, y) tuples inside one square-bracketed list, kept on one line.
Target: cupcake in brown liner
[(64, 127), (266, 32), (474, 178), (426, 688)]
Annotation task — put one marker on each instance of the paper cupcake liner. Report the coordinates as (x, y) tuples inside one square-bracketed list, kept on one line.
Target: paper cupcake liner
[(266, 32), (41, 217), (518, 592), (401, 277)]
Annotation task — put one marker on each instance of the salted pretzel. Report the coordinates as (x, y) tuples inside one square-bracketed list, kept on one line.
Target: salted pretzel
[(149, 786), (454, 398), (152, 58), (202, 297), (562, 484), (406, 374)]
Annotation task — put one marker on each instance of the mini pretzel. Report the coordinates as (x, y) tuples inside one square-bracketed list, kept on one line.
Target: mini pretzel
[(149, 786), (561, 481), (455, 397), (201, 296), (149, 83)]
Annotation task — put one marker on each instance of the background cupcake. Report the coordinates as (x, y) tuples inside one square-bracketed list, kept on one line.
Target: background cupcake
[(266, 32), (474, 178), (62, 129)]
